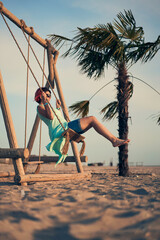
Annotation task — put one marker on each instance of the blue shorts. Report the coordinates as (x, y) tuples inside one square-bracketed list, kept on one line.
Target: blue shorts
[(76, 126)]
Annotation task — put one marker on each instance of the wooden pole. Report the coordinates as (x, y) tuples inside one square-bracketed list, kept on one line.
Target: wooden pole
[(14, 153), (18, 166), (53, 177), (50, 63), (7, 174), (32, 138), (50, 159), (66, 115), (33, 134), (28, 30)]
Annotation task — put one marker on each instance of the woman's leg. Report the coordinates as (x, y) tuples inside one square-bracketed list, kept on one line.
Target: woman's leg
[(89, 122)]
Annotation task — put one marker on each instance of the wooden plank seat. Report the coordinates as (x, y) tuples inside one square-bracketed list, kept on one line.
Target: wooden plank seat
[(70, 136), (34, 162), (73, 136)]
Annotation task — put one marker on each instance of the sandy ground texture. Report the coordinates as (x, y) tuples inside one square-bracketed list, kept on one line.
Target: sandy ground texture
[(104, 207)]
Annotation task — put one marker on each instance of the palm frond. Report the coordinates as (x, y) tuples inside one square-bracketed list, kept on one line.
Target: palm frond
[(81, 108), (97, 38), (144, 51), (59, 40), (156, 117), (110, 111), (150, 49), (158, 120), (126, 26), (92, 63), (130, 89), (108, 44), (97, 48), (155, 90)]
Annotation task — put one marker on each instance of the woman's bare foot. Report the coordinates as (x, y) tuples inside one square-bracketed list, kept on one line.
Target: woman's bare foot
[(119, 142)]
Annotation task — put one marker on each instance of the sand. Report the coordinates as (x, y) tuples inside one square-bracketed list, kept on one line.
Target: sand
[(104, 207)]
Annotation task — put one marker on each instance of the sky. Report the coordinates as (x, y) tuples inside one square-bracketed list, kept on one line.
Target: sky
[(63, 17)]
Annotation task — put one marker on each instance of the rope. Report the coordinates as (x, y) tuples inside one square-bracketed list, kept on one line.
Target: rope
[(82, 148), (23, 25), (30, 69), (43, 67), (66, 145), (32, 31), (40, 135), (39, 64), (26, 113)]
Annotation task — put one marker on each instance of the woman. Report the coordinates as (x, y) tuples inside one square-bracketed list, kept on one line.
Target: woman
[(79, 125)]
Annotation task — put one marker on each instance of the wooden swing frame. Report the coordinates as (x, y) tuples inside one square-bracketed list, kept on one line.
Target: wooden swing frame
[(14, 151)]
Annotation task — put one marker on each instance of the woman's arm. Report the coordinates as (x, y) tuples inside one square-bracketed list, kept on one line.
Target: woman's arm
[(45, 109)]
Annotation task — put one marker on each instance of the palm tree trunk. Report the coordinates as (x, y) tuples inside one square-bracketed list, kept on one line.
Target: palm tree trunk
[(123, 97)]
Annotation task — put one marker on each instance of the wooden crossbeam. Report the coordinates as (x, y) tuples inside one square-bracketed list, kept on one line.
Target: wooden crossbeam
[(14, 153), (7, 174), (51, 177), (49, 159), (17, 21)]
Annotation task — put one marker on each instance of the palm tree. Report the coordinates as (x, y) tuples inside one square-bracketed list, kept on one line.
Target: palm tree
[(119, 45)]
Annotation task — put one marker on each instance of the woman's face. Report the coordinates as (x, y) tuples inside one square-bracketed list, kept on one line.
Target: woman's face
[(48, 95)]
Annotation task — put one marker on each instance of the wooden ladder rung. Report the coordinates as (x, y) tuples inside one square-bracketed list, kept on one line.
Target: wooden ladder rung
[(34, 162)]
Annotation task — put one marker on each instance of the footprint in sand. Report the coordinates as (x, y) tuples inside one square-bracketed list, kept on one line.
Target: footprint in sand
[(140, 191)]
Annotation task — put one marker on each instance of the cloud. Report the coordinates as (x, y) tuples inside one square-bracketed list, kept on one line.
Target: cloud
[(114, 6)]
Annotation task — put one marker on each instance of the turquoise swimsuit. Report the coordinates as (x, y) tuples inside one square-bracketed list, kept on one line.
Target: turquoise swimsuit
[(55, 132)]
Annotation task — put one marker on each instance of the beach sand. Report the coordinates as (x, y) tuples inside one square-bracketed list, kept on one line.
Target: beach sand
[(104, 207)]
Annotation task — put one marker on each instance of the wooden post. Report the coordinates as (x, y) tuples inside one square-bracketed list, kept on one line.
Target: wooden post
[(66, 115), (18, 166), (14, 153), (33, 134), (7, 174), (50, 63)]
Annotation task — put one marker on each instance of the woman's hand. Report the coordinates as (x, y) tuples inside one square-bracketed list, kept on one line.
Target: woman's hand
[(44, 108), (44, 98), (58, 103)]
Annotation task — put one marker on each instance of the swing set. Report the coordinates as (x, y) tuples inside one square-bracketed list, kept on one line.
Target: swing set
[(21, 157)]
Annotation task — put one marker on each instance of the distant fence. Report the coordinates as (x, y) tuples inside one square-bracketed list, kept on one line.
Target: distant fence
[(135, 164)]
